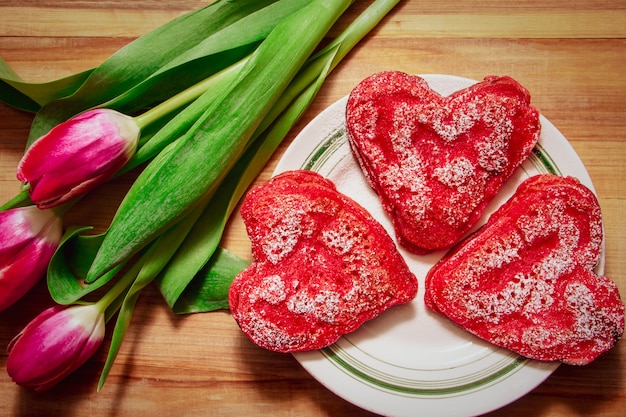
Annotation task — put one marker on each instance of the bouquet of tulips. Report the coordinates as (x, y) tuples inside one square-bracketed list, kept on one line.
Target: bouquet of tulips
[(197, 106)]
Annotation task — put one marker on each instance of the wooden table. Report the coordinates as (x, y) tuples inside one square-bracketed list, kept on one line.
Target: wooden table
[(571, 55)]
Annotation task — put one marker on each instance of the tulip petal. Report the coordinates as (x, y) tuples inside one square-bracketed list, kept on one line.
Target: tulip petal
[(42, 317), (54, 345), (88, 149), (28, 239), (15, 233), (26, 270)]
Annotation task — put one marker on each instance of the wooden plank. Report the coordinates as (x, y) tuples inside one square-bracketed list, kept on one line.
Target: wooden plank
[(111, 23), (68, 22), (567, 24)]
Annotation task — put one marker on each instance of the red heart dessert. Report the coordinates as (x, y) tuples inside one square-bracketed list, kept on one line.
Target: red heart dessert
[(525, 280), (323, 265), (436, 161)]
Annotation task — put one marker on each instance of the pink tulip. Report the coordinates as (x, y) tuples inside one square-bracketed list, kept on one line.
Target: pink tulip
[(28, 238), (78, 155), (54, 344)]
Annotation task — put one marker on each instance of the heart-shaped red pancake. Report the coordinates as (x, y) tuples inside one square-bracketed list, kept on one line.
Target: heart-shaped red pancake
[(525, 280), (323, 265), (437, 161)]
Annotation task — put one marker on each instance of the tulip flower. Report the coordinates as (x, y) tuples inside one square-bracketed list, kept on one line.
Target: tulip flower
[(62, 338), (54, 344), (28, 238), (78, 155)]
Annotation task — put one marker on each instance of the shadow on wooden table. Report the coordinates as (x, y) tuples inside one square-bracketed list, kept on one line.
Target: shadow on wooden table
[(271, 381), (78, 390), (289, 385), (574, 390)]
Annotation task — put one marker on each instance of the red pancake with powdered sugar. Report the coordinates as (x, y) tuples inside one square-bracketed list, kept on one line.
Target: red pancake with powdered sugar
[(434, 161), (525, 280), (323, 266)]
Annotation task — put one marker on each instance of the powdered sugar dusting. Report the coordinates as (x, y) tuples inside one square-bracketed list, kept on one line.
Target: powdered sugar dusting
[(274, 336), (401, 135), (523, 281), (449, 123), (456, 174), (283, 236), (497, 116), (344, 236), (324, 306), (580, 300), (435, 161), (327, 267), (526, 293), (271, 290), (287, 223)]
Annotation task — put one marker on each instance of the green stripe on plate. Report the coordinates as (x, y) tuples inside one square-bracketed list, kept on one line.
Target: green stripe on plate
[(341, 359)]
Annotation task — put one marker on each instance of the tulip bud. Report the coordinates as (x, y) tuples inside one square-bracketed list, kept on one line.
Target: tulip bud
[(28, 238), (78, 155), (54, 344)]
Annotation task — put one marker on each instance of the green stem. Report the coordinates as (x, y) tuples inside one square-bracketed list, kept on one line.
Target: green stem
[(185, 97), (360, 27), (120, 287), (20, 200), (60, 211)]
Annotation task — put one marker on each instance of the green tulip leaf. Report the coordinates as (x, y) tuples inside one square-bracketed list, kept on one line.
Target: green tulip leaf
[(208, 291), (21, 199), (31, 96), (69, 265), (144, 72), (219, 50)]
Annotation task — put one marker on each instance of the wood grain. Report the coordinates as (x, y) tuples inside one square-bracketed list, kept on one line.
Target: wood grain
[(569, 54)]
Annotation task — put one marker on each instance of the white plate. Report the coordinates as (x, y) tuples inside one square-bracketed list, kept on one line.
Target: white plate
[(409, 361)]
